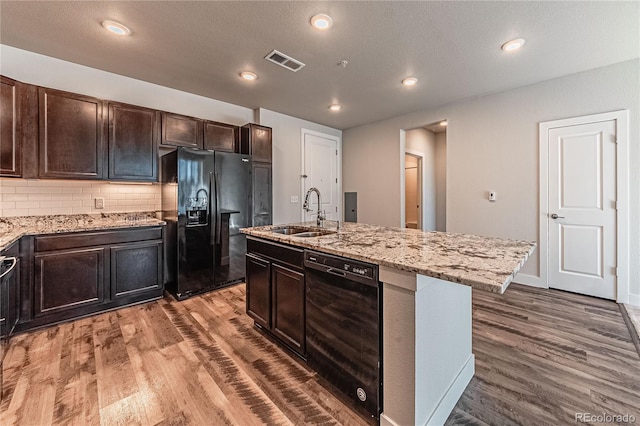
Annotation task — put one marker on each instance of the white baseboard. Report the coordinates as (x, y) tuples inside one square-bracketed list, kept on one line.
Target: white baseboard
[(453, 394), (529, 280), (634, 299), (386, 421)]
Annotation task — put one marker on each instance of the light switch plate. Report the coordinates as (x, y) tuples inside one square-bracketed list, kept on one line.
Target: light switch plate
[(294, 198), (492, 196), (99, 203)]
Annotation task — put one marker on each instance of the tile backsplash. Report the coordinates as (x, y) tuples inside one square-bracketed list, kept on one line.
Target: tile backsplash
[(26, 197)]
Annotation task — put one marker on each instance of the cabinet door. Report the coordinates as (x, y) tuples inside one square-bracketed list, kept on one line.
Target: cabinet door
[(133, 148), (256, 141), (10, 144), (71, 137), (68, 279), (262, 194), (259, 290), (287, 309), (220, 136), (180, 130), (136, 268)]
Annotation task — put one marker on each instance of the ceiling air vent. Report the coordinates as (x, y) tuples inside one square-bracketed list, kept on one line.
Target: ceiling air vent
[(285, 61)]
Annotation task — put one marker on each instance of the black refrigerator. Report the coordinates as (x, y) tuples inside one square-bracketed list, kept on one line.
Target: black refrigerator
[(206, 199)]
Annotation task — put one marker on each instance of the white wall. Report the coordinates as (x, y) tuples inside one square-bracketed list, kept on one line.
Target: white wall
[(423, 141), (287, 161), (441, 181), (492, 145)]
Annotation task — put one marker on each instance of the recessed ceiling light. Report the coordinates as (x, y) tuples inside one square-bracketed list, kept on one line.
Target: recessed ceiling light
[(321, 21), (411, 81), (443, 123), (335, 107), (513, 45), (248, 75), (116, 27)]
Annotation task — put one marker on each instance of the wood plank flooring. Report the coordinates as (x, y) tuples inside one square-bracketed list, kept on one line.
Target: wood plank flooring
[(541, 356), (544, 355)]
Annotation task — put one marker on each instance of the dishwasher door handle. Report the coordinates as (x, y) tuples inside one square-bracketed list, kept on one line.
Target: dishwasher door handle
[(336, 272)]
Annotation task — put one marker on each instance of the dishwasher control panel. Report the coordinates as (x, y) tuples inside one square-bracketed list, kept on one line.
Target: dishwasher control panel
[(337, 263)]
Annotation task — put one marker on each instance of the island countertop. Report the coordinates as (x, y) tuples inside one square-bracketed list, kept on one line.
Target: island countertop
[(13, 228), (485, 263)]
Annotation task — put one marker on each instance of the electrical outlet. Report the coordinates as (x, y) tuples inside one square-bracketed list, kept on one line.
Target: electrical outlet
[(492, 196), (99, 203), (294, 198)]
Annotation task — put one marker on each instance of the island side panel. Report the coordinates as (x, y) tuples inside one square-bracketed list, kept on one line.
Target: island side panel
[(444, 361), (427, 359)]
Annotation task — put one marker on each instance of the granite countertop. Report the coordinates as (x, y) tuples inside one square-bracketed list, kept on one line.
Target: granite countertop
[(13, 228), (484, 263)]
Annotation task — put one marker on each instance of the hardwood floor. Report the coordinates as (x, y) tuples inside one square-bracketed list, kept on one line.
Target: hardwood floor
[(541, 356), (544, 355)]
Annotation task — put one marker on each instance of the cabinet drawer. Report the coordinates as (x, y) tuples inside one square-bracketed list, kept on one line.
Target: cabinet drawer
[(286, 255), (86, 239)]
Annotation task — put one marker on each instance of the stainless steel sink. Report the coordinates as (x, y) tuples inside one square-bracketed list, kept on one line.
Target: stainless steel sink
[(298, 231), (311, 234), (289, 230)]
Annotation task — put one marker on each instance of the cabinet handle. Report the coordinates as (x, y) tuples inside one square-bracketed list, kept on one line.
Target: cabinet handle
[(13, 265)]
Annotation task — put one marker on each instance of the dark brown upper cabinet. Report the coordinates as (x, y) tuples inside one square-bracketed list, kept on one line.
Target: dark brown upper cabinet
[(133, 143), (180, 130), (10, 125), (71, 136), (221, 136), (255, 140)]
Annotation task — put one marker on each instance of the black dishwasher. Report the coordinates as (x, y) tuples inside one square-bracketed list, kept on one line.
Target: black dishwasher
[(344, 341)]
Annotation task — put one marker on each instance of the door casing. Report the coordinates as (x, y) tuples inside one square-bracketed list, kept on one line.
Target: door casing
[(338, 141), (622, 195)]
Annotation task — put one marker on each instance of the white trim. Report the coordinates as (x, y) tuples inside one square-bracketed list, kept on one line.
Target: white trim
[(634, 299), (530, 280), (622, 187), (338, 141), (423, 185), (453, 394), (403, 144)]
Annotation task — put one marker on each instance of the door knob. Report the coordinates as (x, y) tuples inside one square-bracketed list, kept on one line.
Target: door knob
[(555, 216)]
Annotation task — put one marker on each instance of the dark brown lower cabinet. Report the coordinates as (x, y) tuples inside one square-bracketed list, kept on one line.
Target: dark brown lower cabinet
[(276, 291), (259, 290), (67, 276), (68, 279), (9, 295), (136, 268), (287, 304)]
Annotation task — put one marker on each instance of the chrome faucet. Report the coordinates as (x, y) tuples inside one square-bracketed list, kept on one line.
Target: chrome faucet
[(305, 206)]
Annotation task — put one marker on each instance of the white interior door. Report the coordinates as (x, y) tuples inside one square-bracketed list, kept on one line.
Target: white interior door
[(320, 170), (582, 208)]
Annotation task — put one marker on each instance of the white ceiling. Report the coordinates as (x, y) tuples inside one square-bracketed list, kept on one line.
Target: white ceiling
[(453, 48)]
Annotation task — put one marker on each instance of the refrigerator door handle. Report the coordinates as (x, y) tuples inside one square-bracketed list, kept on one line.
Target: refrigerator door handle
[(213, 208), (216, 219)]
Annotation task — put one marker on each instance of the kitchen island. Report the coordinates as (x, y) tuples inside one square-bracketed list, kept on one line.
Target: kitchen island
[(426, 279)]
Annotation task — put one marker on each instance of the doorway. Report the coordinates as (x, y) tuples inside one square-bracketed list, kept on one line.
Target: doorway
[(583, 205), (413, 190), (425, 146), (321, 169)]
